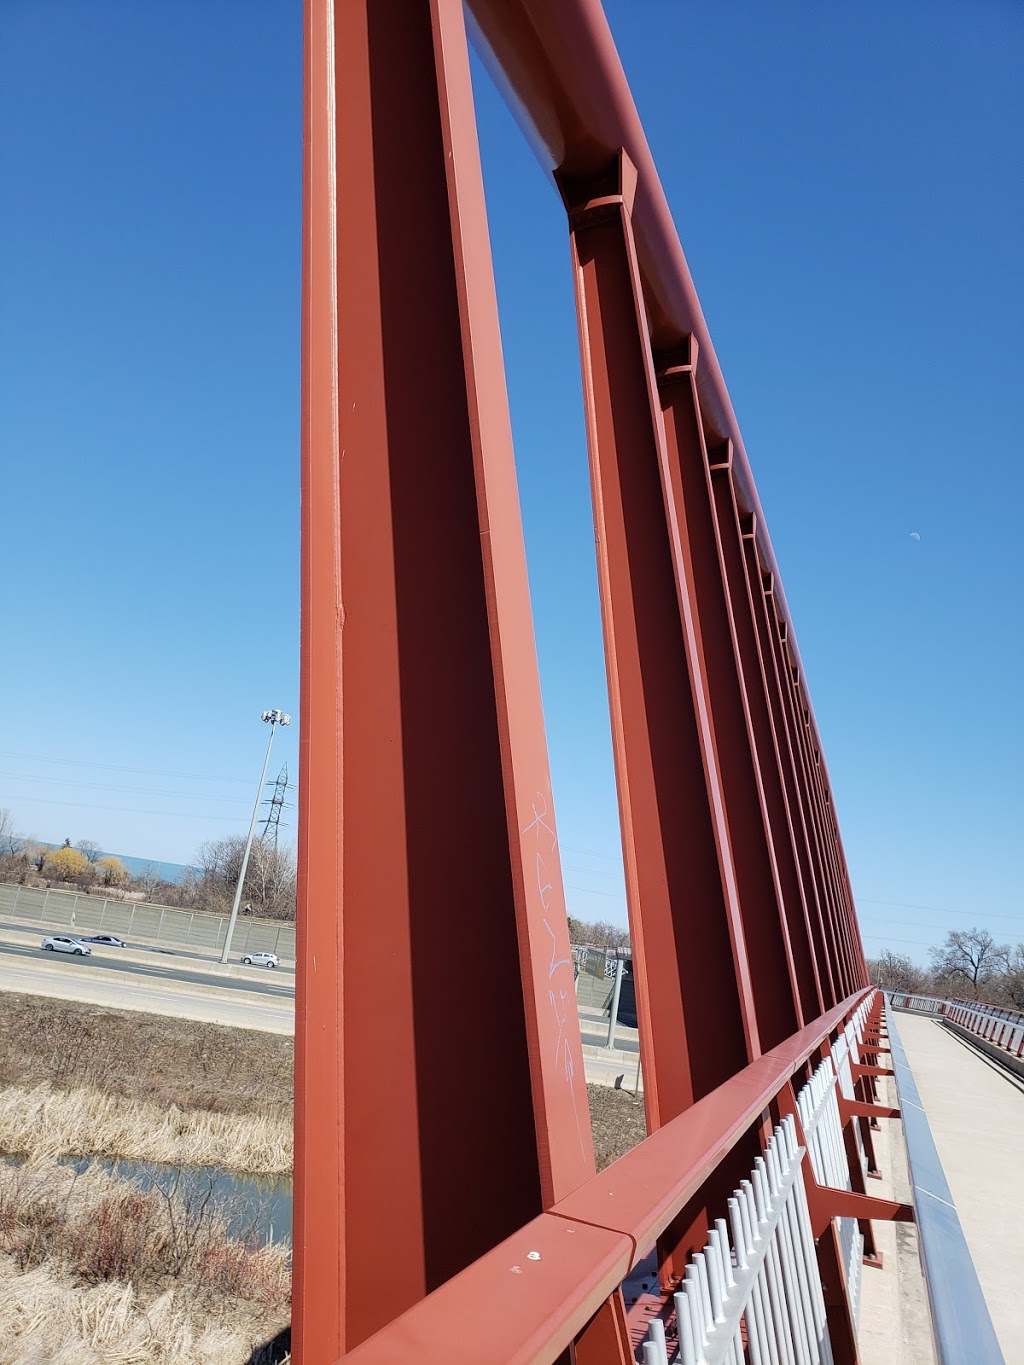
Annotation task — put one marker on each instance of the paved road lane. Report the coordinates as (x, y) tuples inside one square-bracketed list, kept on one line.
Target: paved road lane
[(273, 986)]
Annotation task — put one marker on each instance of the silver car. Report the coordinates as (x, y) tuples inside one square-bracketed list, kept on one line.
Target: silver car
[(261, 959), (62, 943)]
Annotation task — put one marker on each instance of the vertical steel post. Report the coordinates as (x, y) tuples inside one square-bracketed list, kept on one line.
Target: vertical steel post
[(761, 588), (431, 912), (751, 840), (777, 817), (695, 1000)]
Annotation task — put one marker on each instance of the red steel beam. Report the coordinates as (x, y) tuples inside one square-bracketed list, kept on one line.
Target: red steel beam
[(758, 588), (559, 69), (439, 1077), (691, 501), (697, 1010), (777, 816)]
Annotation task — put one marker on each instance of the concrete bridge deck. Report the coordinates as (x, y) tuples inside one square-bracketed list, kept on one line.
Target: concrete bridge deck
[(976, 1113)]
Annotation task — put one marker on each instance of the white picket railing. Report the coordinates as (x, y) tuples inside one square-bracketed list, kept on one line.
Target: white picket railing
[(759, 1272), (818, 1103), (754, 1293)]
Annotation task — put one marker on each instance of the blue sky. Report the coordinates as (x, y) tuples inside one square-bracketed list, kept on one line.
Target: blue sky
[(846, 182)]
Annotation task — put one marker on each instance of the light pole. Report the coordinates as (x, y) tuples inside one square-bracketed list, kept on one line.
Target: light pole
[(273, 719)]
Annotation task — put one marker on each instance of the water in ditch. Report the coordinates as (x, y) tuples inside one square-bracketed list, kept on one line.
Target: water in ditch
[(259, 1207)]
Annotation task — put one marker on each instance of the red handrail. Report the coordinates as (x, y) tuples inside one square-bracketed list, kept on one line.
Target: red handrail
[(531, 1295)]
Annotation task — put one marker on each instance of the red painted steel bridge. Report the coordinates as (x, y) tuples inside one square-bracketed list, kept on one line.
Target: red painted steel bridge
[(452, 1212)]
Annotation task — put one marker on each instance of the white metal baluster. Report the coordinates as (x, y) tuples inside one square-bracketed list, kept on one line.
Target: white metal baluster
[(776, 1292), (707, 1313), (684, 1322), (785, 1153), (800, 1309), (787, 1252), (720, 1274), (656, 1332), (810, 1258), (739, 1240), (749, 1209), (692, 1284)]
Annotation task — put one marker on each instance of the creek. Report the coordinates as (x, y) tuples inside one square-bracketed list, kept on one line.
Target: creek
[(259, 1207)]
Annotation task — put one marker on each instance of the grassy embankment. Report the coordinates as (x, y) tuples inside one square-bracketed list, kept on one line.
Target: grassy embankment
[(92, 1268), (80, 1080)]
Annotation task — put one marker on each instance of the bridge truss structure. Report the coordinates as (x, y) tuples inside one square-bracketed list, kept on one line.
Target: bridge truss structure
[(446, 1202)]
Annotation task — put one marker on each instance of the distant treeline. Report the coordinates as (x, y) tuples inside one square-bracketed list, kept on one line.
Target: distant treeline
[(269, 889), (969, 964)]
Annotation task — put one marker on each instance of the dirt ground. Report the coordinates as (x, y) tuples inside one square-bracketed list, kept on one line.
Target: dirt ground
[(144, 1056), (617, 1122), (201, 1066)]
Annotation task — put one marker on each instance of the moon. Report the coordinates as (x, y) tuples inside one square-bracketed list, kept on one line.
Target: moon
[(914, 535)]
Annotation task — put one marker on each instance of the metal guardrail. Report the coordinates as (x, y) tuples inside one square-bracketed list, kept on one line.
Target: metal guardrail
[(1001, 1032), (916, 1004), (961, 1326), (999, 1011)]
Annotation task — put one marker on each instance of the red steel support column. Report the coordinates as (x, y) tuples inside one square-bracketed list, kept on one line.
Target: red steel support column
[(440, 1101), (751, 841), (778, 817), (826, 885), (698, 1017), (760, 588), (839, 883)]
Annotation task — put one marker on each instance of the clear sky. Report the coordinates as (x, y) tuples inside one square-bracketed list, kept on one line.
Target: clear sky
[(847, 185)]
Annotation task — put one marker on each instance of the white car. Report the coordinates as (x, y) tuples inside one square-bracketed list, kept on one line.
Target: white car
[(61, 943), (261, 959)]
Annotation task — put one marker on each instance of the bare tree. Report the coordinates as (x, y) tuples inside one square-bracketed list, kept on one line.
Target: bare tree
[(10, 840), (92, 851), (269, 878), (1009, 987), (969, 958), (598, 934), (896, 972)]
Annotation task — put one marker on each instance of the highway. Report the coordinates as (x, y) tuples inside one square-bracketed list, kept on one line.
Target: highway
[(273, 986), (198, 955)]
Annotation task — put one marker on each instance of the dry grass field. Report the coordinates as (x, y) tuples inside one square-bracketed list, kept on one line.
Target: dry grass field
[(94, 1270), (144, 1056)]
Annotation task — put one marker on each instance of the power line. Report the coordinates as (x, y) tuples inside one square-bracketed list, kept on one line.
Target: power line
[(113, 787), (591, 891), (938, 909), (126, 810), (589, 853), (117, 767)]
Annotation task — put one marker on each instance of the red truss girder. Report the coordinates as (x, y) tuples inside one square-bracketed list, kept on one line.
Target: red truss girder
[(440, 1101)]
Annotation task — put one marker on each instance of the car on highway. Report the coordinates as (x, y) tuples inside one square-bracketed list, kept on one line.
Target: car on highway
[(261, 959), (111, 940), (62, 943)]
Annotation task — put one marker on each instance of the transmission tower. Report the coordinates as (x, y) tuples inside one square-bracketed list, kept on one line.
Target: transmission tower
[(277, 803)]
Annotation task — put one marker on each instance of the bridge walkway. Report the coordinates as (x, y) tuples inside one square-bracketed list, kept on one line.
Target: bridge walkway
[(976, 1114)]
